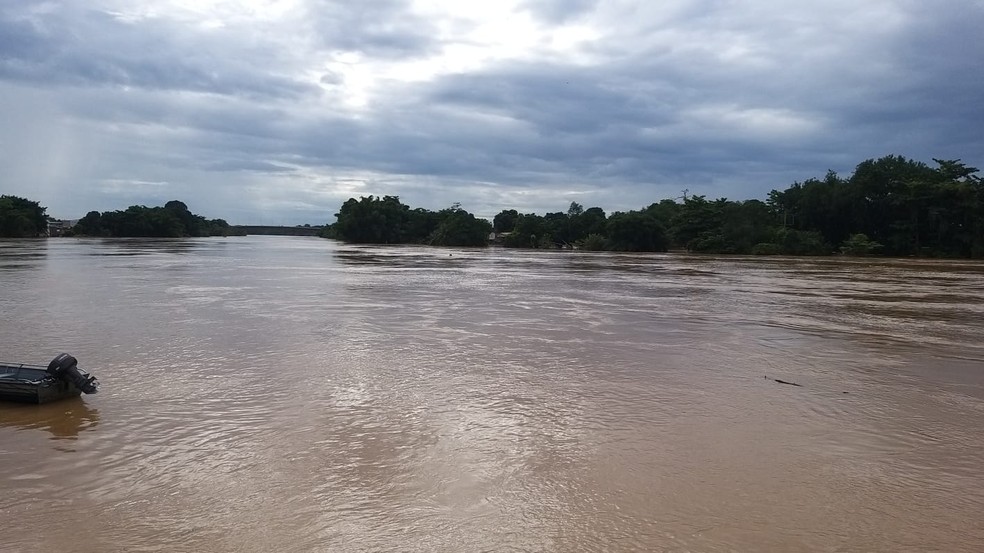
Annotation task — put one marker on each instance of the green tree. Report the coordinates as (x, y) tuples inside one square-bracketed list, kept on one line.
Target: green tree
[(90, 225), (859, 244), (22, 218), (188, 224), (505, 220), (745, 224), (664, 211), (557, 226), (528, 231), (171, 221), (421, 224), (697, 219), (457, 227), (372, 220), (585, 222), (385, 220), (593, 243), (636, 231), (888, 201), (801, 242)]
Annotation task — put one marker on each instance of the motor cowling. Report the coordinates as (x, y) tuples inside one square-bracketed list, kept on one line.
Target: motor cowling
[(66, 367)]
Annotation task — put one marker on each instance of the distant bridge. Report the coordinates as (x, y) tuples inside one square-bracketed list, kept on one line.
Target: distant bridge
[(278, 231)]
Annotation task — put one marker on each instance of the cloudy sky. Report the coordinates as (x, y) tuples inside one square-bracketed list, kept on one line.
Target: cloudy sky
[(276, 111)]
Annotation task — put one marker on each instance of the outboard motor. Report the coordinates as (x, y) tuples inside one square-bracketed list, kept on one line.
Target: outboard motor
[(66, 367)]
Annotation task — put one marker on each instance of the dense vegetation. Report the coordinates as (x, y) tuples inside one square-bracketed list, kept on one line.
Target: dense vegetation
[(171, 221), (898, 206), (21, 218), (891, 206), (385, 220)]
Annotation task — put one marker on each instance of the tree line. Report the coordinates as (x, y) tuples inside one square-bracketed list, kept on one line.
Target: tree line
[(386, 220), (22, 218), (891, 206), (174, 220)]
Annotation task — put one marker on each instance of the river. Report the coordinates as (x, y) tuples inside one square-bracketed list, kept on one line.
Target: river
[(297, 394)]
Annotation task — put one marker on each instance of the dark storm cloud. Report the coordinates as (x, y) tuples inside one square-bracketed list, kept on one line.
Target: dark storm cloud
[(22, 41), (83, 47), (942, 86), (553, 100), (595, 124), (717, 98)]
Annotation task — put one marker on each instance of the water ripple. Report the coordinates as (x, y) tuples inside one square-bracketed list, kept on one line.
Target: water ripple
[(263, 394)]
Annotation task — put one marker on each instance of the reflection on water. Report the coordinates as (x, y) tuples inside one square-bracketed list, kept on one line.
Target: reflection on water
[(63, 420), (18, 255), (142, 246), (270, 394), (402, 257)]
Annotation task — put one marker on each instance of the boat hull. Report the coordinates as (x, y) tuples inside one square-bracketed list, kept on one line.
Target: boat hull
[(29, 384)]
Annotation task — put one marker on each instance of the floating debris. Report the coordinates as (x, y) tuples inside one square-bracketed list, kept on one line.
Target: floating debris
[(784, 382)]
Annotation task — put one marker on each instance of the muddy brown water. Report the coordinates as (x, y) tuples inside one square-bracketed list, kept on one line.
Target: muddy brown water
[(297, 394)]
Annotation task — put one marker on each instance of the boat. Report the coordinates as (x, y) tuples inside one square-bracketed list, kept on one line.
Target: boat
[(61, 379)]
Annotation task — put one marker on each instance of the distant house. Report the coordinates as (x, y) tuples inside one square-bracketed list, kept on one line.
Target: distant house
[(498, 237), (57, 227)]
